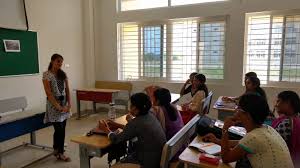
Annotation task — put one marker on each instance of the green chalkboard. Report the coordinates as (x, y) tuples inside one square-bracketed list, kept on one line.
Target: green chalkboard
[(19, 63)]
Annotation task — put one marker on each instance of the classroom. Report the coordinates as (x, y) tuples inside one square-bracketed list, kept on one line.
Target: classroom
[(137, 44)]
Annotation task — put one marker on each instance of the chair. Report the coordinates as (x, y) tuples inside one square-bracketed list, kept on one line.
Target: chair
[(206, 104), (175, 144)]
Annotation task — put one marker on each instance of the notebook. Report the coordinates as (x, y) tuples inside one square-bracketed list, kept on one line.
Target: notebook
[(206, 147)]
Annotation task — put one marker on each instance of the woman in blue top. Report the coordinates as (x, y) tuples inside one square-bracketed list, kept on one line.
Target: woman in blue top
[(58, 103)]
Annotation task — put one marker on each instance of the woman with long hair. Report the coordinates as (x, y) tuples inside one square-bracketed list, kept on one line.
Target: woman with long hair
[(168, 116), (288, 123), (58, 106)]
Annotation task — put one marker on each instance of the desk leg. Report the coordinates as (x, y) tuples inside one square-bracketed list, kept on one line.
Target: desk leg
[(84, 157), (94, 107), (78, 109), (32, 138)]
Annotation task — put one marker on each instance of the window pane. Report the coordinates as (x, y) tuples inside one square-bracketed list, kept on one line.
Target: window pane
[(152, 51), (273, 47), (172, 50), (142, 4), (211, 49), (291, 60), (183, 53), (185, 2), (258, 39), (129, 53)]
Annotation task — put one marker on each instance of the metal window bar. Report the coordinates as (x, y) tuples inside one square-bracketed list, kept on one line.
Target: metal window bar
[(181, 44)]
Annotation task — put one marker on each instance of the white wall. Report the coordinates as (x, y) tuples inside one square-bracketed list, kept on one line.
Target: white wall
[(106, 19), (59, 24), (16, 19)]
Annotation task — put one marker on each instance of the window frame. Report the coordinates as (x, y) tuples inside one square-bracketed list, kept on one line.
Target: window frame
[(284, 14), (119, 5), (163, 22)]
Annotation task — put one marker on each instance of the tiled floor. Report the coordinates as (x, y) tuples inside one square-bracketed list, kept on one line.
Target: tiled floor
[(22, 156)]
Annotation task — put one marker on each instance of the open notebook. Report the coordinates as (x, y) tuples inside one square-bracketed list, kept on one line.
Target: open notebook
[(206, 147)]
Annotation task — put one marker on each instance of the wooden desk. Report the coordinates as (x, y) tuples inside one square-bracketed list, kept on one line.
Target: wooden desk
[(190, 158), (224, 110), (96, 96), (94, 146)]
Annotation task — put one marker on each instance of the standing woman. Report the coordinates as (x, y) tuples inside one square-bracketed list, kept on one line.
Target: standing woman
[(58, 103)]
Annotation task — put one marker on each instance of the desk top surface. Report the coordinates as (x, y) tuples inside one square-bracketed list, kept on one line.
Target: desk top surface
[(14, 116), (225, 106), (98, 90), (191, 157), (98, 141)]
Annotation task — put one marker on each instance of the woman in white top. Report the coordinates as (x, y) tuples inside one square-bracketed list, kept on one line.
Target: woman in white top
[(262, 145), (194, 106), (58, 103)]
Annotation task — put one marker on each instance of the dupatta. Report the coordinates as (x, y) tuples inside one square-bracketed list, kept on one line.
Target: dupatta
[(294, 143)]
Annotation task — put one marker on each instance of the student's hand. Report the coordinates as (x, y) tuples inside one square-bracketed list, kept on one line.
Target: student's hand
[(129, 117), (227, 99), (210, 138), (230, 121), (102, 125), (65, 109), (188, 82)]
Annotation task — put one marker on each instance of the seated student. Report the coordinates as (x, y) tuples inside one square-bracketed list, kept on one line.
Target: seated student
[(234, 99), (147, 129), (288, 123), (187, 87), (262, 145), (192, 108), (252, 85), (168, 116)]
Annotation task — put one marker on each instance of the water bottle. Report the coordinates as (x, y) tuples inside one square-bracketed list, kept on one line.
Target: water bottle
[(112, 111)]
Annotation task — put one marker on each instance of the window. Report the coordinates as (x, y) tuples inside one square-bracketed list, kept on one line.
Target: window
[(142, 4), (185, 2), (273, 47), (127, 5), (171, 50)]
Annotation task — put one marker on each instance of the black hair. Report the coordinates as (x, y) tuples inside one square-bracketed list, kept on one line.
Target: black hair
[(292, 98), (249, 74), (202, 86), (193, 74), (256, 82), (142, 102), (61, 75), (163, 96), (256, 106)]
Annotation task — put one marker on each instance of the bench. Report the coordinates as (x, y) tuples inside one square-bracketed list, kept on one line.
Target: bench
[(177, 142), (123, 96), (16, 121)]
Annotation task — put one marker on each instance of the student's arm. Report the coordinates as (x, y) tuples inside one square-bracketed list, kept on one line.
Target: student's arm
[(230, 154), (128, 133), (68, 97), (50, 96), (212, 138), (183, 87)]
